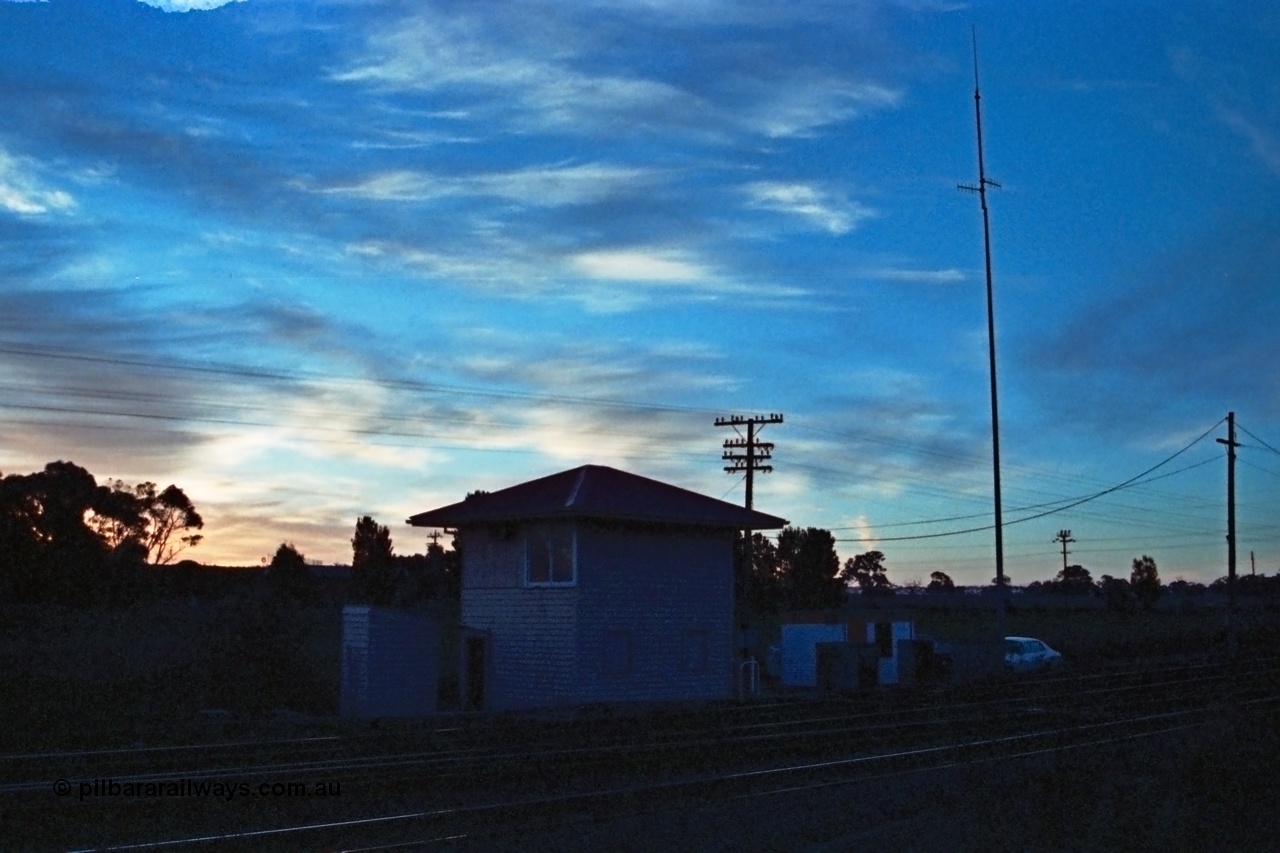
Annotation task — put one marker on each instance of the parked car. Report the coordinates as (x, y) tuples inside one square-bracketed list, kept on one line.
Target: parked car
[(1025, 654)]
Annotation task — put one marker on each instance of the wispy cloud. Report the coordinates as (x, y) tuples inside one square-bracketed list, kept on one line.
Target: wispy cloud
[(807, 103), (188, 5), (601, 280), (638, 266), (944, 276), (1171, 338), (549, 67), (21, 192), (1243, 102), (818, 207), (548, 186), (1264, 141)]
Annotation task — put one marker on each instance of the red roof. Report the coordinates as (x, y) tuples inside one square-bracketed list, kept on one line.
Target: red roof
[(597, 491)]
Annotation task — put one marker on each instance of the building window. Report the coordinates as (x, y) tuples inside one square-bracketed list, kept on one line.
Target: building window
[(550, 556), (695, 651), (615, 653)]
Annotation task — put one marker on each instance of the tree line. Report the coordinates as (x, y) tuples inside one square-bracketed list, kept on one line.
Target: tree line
[(1141, 589), (66, 539), (378, 576), (803, 572)]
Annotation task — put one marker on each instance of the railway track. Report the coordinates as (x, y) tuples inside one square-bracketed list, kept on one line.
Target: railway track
[(480, 781)]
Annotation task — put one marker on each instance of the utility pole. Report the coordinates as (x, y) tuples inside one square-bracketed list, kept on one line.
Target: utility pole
[(981, 189), (746, 454), (1232, 444), (756, 451), (1064, 536)]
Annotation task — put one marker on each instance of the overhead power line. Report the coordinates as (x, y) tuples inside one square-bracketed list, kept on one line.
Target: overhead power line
[(1255, 438), (1083, 500), (1027, 507)]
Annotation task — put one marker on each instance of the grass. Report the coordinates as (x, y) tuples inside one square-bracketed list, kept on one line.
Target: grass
[(110, 677)]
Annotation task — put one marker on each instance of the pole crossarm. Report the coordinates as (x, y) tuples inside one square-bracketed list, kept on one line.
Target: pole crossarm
[(743, 420), (746, 454)]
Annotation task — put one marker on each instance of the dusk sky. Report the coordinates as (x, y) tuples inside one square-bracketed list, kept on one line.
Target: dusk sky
[(316, 260)]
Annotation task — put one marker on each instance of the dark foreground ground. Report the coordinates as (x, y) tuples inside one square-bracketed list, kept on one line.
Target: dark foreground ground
[(135, 680), (1208, 783), (1211, 788)]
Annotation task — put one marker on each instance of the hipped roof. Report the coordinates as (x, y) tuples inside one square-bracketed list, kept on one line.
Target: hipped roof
[(597, 491)]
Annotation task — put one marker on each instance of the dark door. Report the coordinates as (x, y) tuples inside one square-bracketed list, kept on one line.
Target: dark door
[(475, 670)]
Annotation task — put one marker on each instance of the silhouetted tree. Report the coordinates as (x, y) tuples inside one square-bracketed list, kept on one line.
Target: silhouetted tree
[(1145, 581), (417, 581), (127, 576), (1118, 594), (1247, 586), (167, 515), (288, 576), (451, 577), (116, 516), (759, 586), (373, 574), (156, 520), (940, 582), (1075, 580), (807, 569), (1185, 587), (868, 572), (48, 549), (438, 570)]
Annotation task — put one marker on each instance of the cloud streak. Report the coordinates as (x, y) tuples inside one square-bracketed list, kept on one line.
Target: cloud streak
[(188, 5), (819, 208), (21, 191)]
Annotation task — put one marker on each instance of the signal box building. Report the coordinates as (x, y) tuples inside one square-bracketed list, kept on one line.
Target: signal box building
[(595, 585)]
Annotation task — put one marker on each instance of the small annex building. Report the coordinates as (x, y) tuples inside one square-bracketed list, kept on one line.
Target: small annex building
[(880, 633), (389, 663), (595, 585)]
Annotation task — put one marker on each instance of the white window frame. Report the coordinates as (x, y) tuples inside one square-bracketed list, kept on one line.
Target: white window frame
[(546, 530)]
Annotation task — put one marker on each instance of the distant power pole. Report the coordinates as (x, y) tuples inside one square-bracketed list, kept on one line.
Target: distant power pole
[(746, 453), (1064, 536), (1232, 444)]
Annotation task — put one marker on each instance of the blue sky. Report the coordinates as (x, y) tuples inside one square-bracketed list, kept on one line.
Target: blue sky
[(315, 260)]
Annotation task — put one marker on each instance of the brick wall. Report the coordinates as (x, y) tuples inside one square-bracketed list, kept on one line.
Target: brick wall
[(668, 593), (671, 593), (532, 631)]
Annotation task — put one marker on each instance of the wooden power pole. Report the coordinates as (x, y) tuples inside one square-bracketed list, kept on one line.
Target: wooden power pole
[(747, 453), (1064, 536), (1232, 444)]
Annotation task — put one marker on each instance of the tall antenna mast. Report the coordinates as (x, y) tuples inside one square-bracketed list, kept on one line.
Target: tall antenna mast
[(981, 190)]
